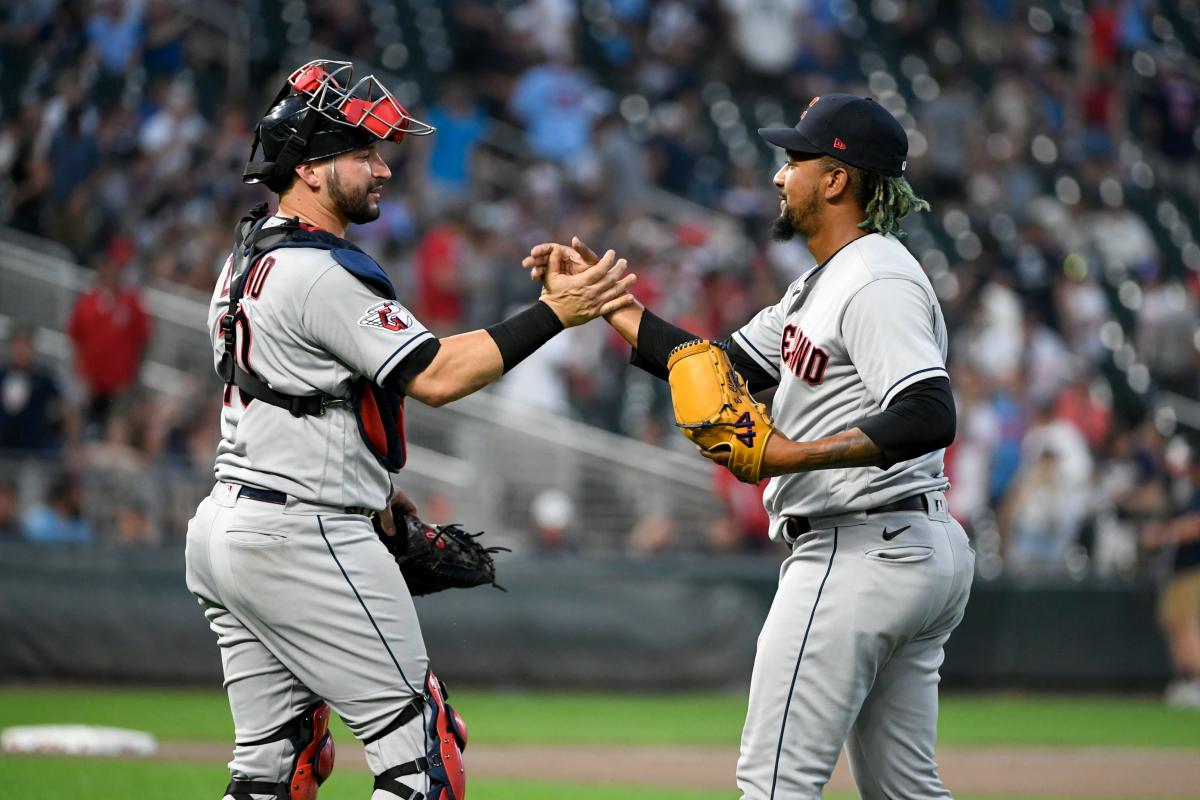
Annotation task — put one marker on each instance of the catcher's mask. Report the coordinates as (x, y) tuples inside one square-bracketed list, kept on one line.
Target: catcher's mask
[(322, 112)]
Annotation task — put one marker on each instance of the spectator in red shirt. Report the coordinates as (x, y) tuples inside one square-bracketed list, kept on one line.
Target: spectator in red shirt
[(1078, 405), (440, 261), (110, 330)]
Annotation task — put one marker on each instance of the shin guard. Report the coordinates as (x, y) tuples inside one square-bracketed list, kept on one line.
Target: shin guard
[(443, 763), (313, 745)]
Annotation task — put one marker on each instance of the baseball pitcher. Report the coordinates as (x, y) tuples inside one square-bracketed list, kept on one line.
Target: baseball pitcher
[(879, 572)]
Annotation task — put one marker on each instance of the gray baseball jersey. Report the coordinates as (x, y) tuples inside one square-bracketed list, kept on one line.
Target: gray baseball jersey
[(850, 651), (869, 328), (311, 327)]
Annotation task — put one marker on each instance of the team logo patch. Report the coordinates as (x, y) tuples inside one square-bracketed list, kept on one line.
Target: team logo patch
[(389, 315)]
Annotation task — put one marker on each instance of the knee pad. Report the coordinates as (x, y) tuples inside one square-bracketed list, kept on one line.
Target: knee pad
[(313, 745), (443, 763)]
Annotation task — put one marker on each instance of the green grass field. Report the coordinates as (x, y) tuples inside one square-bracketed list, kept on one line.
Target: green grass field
[(37, 778), (515, 718), (511, 718)]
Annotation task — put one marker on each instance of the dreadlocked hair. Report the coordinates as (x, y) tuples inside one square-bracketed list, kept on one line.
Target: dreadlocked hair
[(884, 201)]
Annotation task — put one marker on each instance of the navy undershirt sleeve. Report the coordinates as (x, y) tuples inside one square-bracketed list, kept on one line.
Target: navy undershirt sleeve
[(657, 338), (397, 380), (919, 420)]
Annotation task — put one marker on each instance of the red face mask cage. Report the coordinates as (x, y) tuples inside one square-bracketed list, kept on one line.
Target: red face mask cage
[(331, 92)]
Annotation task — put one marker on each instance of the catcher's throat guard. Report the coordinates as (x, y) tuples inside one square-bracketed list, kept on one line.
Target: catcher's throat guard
[(313, 744), (443, 764), (714, 409)]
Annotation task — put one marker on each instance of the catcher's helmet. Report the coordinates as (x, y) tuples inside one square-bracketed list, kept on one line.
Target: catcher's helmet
[(315, 116)]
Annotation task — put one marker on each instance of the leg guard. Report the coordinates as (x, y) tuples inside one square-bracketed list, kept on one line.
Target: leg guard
[(443, 764), (313, 744)]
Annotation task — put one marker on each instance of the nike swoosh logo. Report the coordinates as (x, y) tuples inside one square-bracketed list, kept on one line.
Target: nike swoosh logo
[(889, 535)]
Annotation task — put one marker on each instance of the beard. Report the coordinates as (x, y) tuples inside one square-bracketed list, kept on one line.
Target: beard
[(354, 205), (783, 227), (793, 221)]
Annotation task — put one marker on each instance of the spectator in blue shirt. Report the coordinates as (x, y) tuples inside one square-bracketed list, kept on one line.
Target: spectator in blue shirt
[(556, 103), (461, 123), (114, 32), (59, 520)]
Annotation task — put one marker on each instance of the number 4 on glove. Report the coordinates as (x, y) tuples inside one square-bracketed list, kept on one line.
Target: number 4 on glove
[(714, 408)]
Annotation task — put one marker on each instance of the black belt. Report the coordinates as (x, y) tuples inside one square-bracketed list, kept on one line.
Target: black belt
[(279, 498), (797, 526)]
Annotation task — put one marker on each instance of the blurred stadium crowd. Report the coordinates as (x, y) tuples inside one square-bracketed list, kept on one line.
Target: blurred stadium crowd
[(1056, 140)]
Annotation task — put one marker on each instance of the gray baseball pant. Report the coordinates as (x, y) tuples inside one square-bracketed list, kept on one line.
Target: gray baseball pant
[(307, 604), (850, 654)]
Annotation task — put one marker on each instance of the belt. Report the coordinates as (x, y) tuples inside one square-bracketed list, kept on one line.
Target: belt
[(797, 526), (279, 498)]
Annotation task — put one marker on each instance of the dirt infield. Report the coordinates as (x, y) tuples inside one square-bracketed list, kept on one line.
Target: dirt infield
[(1009, 771)]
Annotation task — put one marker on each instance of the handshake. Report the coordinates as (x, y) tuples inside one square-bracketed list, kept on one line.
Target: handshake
[(713, 405), (577, 284)]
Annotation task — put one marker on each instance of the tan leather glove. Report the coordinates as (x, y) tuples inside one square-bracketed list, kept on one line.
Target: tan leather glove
[(714, 409)]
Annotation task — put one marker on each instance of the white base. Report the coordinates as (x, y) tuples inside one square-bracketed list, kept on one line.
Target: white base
[(77, 740)]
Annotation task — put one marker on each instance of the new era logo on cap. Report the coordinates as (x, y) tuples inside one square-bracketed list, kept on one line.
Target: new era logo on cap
[(868, 136)]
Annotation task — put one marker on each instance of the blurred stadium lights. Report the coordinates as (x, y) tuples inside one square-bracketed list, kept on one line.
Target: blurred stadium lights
[(1165, 420), (1130, 295), (1067, 190), (1043, 148), (913, 66)]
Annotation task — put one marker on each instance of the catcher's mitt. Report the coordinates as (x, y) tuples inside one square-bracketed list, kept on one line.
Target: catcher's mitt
[(437, 557), (714, 409)]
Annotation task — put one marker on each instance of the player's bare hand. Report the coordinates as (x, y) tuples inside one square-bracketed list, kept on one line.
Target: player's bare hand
[(577, 297), (777, 457), (718, 457), (539, 258), (385, 522), (402, 503)]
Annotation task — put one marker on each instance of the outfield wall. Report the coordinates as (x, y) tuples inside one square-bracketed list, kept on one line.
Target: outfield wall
[(87, 614)]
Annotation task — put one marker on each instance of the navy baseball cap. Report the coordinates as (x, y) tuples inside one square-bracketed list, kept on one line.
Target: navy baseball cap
[(855, 130)]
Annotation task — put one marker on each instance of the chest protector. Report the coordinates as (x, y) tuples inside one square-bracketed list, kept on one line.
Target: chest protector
[(380, 412)]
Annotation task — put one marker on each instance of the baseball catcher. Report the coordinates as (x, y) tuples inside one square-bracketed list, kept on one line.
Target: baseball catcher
[(318, 355)]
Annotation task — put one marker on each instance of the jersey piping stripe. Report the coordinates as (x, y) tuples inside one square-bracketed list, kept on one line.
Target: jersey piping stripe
[(366, 610), (803, 643), (757, 355), (887, 396), (418, 338)]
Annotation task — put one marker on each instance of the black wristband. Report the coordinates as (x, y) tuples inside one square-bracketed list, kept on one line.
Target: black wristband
[(521, 334), (656, 339)]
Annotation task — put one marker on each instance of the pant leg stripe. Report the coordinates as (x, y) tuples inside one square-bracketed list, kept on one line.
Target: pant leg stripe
[(804, 643), (378, 632)]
